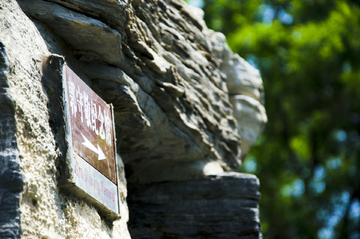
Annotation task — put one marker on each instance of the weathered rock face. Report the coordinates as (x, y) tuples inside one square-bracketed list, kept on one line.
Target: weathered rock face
[(173, 104), (245, 92), (11, 180), (31, 204), (167, 76), (191, 209)]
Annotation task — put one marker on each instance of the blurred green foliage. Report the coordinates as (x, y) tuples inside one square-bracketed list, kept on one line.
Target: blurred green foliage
[(307, 159)]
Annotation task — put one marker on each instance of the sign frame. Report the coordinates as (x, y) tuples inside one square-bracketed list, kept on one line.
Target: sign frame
[(80, 177)]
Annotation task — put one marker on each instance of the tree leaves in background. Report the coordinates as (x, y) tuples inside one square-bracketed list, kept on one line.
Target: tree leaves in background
[(307, 159)]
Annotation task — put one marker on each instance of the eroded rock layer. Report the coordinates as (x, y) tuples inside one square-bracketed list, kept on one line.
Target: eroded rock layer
[(222, 206), (153, 60)]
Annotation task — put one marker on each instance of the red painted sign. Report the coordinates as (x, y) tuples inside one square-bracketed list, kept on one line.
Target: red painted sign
[(91, 126)]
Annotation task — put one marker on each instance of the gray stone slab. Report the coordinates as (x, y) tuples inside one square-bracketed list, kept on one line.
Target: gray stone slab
[(222, 206)]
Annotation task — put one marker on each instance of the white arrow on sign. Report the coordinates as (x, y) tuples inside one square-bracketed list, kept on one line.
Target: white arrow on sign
[(97, 150)]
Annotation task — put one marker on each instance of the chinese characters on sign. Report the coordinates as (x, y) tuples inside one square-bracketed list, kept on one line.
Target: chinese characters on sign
[(91, 126), (88, 109)]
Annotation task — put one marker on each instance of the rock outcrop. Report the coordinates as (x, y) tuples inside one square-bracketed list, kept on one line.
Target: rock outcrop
[(246, 92), (173, 105), (186, 109), (221, 206)]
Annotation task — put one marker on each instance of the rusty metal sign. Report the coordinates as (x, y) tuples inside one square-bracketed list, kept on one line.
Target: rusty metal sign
[(91, 126), (92, 150)]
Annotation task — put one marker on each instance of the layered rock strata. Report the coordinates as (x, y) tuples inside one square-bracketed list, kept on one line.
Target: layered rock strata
[(166, 60), (221, 206), (172, 102), (167, 76), (246, 92)]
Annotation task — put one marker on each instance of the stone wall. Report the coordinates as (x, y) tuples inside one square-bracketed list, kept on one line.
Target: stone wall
[(178, 126)]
